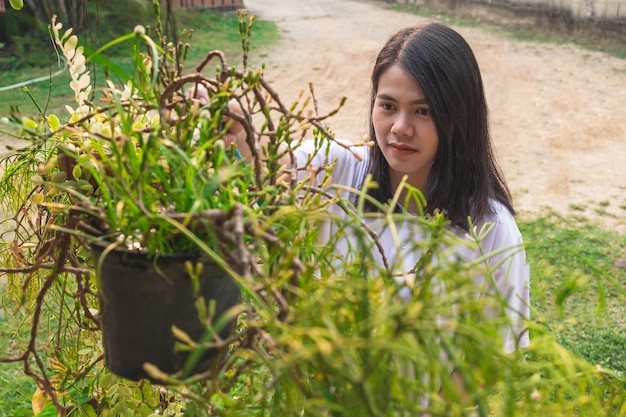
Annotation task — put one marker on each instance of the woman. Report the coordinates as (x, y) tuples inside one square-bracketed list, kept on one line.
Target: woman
[(429, 127), (428, 123)]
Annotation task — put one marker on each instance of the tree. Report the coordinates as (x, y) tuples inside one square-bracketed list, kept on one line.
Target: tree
[(25, 25), (76, 13)]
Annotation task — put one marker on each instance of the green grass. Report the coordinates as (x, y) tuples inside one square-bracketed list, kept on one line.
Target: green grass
[(220, 31), (576, 289), (16, 389), (50, 95), (211, 31)]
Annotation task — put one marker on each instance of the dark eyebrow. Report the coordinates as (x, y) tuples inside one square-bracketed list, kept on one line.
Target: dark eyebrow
[(389, 98)]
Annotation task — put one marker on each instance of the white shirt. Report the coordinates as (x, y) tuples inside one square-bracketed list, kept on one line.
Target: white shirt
[(401, 246)]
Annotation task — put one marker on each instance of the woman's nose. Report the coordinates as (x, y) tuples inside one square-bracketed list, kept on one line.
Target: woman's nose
[(402, 125)]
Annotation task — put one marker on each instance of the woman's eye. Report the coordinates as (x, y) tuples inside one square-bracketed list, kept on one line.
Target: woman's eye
[(386, 106), (423, 111)]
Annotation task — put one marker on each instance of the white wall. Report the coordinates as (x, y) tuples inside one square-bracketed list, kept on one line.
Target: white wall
[(598, 8), (580, 8)]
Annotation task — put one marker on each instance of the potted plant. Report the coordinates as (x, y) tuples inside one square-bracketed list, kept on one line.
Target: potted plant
[(138, 180), (139, 184)]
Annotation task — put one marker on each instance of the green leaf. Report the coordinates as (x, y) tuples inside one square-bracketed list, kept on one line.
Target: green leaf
[(53, 122), (49, 410), (17, 4), (88, 410)]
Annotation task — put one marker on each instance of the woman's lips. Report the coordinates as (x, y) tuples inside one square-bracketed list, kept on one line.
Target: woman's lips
[(400, 149)]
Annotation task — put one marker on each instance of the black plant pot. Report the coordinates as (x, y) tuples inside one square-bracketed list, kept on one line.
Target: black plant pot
[(141, 299)]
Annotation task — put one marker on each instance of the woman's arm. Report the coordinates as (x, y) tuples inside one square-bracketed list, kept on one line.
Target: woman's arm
[(236, 133)]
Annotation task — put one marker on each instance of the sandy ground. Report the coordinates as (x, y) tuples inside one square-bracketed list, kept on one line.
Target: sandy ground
[(558, 113)]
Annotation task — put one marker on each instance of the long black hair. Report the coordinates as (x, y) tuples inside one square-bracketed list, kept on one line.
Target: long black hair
[(464, 176)]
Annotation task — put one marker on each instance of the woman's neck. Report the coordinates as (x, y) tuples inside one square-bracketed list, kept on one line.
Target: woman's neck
[(412, 206)]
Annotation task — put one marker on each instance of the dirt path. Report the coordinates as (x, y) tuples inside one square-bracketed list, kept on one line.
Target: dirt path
[(557, 112)]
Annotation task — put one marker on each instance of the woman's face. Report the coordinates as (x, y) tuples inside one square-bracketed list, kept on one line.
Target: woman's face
[(405, 130)]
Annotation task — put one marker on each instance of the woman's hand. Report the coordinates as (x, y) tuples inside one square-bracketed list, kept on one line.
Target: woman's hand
[(236, 134)]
